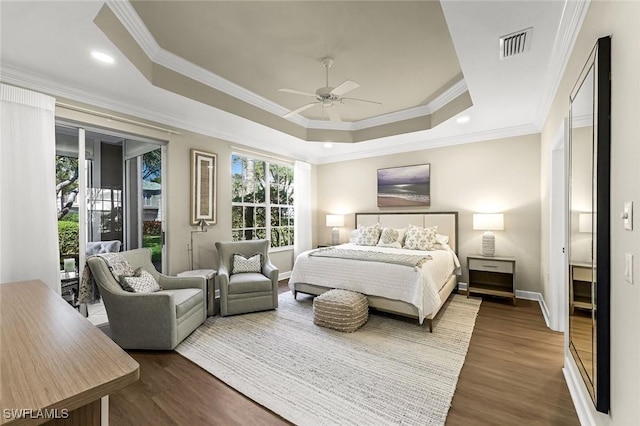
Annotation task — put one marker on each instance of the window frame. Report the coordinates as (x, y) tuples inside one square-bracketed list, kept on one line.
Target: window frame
[(267, 204)]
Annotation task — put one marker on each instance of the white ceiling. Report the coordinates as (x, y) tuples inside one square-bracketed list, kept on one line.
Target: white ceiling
[(46, 46)]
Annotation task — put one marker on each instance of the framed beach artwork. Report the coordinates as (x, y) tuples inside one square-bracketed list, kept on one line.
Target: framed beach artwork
[(404, 186)]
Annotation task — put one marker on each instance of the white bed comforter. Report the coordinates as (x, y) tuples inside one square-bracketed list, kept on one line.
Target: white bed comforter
[(416, 286)]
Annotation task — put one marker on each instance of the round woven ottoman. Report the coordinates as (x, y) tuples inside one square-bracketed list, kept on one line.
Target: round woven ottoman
[(341, 310)]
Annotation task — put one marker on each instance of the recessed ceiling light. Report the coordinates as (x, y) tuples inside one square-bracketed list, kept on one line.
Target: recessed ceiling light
[(463, 119), (328, 145), (102, 57)]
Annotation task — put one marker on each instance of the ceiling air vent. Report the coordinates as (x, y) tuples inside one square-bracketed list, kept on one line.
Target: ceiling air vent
[(515, 43)]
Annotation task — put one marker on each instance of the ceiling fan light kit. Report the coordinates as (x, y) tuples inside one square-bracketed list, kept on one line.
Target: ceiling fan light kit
[(327, 96)]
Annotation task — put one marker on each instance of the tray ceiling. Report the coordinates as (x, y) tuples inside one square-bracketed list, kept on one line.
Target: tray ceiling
[(400, 53), (234, 56)]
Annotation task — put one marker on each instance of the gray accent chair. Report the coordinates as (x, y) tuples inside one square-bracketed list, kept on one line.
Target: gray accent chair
[(249, 291), (159, 320)]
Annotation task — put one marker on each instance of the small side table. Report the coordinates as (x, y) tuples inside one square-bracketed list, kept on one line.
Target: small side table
[(494, 276), (209, 275), (69, 286)]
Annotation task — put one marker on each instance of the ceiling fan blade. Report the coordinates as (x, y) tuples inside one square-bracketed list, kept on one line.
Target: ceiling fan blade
[(297, 92), (298, 110), (361, 100), (344, 87), (333, 114)]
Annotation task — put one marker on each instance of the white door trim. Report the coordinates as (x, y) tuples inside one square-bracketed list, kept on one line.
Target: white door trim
[(558, 230)]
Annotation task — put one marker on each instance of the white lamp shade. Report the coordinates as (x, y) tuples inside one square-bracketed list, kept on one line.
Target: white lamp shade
[(585, 222), (334, 220), (488, 222)]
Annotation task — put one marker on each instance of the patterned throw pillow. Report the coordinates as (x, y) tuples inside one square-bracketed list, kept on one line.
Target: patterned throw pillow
[(118, 265), (419, 238), (369, 236), (391, 237), (243, 264), (145, 283)]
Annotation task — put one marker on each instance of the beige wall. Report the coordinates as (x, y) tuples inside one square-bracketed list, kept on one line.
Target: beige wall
[(620, 19), (493, 176), (178, 230)]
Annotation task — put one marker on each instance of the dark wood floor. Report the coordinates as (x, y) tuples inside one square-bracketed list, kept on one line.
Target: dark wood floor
[(512, 376)]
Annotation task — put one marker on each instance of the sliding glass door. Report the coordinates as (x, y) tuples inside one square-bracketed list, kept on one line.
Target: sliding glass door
[(109, 193)]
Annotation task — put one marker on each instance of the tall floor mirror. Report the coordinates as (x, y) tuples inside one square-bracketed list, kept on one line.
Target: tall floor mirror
[(589, 222)]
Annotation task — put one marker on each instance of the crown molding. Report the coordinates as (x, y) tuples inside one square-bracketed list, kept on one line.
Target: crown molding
[(132, 22), (22, 78), (573, 16), (29, 80), (130, 19), (426, 143), (450, 94)]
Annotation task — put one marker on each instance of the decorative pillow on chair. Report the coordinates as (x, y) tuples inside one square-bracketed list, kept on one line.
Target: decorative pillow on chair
[(391, 237), (145, 283), (369, 236), (118, 265), (419, 238), (243, 264)]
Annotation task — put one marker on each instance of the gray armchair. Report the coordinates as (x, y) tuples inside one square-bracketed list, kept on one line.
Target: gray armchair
[(158, 320), (249, 291)]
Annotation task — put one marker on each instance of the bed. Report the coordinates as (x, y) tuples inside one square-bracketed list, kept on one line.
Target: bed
[(414, 291)]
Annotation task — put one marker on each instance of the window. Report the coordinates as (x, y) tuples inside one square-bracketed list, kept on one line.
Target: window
[(262, 201)]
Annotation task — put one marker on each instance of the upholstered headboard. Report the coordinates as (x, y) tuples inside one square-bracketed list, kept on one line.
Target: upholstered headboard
[(447, 222)]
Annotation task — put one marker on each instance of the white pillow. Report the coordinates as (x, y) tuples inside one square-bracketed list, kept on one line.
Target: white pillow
[(442, 239), (243, 264), (353, 236), (419, 238), (392, 237), (144, 283), (369, 236)]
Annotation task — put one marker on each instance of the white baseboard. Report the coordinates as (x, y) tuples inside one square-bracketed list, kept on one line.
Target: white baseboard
[(534, 295), (526, 295), (577, 391)]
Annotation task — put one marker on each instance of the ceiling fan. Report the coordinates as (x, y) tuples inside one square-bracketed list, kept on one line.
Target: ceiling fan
[(327, 96)]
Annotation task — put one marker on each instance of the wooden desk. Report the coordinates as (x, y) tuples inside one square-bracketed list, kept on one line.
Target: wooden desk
[(53, 359)]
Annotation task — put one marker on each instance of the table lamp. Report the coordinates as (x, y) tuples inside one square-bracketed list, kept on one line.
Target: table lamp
[(488, 222), (334, 221)]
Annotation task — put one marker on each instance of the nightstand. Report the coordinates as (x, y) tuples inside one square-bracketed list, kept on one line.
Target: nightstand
[(494, 276), (580, 290)]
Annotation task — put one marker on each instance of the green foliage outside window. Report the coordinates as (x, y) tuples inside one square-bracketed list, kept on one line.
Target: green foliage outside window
[(262, 201), (68, 236)]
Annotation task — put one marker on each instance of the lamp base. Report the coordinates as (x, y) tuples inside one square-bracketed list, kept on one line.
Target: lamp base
[(335, 236), (488, 244)]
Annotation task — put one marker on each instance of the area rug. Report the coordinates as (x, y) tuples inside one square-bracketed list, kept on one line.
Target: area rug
[(390, 371)]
